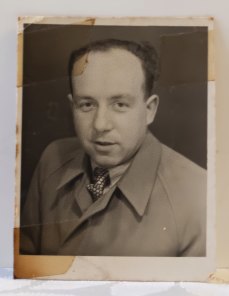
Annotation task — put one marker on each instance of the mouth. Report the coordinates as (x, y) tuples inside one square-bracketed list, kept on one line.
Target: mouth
[(104, 143), (103, 146)]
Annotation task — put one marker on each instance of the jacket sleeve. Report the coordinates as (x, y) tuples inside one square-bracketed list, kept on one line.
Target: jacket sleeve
[(194, 237), (31, 224), (186, 185)]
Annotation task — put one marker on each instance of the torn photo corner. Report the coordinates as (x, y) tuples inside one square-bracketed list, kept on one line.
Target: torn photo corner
[(115, 163)]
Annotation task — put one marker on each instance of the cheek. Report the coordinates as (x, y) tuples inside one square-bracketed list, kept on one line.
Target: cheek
[(133, 127), (82, 125), (138, 119)]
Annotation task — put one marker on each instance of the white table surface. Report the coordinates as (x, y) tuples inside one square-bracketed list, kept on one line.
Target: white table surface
[(9, 286)]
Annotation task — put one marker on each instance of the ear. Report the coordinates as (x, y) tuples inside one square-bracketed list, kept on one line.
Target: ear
[(151, 105), (70, 99)]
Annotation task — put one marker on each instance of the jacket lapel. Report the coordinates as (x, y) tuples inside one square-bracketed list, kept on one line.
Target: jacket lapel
[(68, 228), (138, 182)]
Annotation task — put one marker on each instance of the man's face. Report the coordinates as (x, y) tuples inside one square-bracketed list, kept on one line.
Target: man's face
[(110, 112)]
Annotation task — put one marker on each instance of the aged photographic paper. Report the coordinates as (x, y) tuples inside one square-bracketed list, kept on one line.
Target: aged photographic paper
[(115, 149)]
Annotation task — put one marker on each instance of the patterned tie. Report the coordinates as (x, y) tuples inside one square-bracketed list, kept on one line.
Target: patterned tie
[(100, 181)]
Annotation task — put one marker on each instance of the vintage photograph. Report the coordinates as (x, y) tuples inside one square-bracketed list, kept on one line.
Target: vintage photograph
[(114, 154)]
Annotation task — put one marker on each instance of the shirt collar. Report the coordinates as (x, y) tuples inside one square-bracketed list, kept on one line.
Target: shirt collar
[(137, 182), (114, 173)]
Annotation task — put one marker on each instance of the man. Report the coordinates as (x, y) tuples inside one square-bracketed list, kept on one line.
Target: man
[(115, 190)]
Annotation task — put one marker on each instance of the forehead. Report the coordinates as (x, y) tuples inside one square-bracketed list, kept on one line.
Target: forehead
[(114, 68), (112, 57)]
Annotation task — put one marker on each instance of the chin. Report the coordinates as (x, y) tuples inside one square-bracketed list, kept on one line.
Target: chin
[(106, 163)]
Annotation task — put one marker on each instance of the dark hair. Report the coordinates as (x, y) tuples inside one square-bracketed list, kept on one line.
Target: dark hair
[(144, 51)]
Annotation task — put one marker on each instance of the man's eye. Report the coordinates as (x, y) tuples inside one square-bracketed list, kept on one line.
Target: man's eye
[(121, 106), (86, 106)]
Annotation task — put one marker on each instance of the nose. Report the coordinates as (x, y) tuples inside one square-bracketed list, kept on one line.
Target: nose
[(102, 121)]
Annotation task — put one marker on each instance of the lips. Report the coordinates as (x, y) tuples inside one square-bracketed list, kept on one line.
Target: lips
[(103, 143), (103, 146)]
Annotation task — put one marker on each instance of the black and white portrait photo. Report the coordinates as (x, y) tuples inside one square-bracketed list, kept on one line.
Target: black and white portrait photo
[(114, 140)]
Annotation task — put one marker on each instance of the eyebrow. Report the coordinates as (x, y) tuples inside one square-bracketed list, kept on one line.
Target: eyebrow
[(83, 98), (115, 97), (122, 96)]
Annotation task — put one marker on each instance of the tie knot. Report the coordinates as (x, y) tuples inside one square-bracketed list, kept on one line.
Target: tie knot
[(100, 180), (100, 173)]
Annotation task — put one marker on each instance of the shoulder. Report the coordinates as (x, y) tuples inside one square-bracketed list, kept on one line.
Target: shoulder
[(58, 153), (182, 178), (174, 165), (62, 146)]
